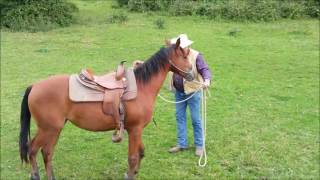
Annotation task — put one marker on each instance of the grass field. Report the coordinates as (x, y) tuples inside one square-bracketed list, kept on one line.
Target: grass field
[(263, 113)]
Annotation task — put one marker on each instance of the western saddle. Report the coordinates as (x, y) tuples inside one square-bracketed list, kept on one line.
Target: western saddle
[(117, 87)]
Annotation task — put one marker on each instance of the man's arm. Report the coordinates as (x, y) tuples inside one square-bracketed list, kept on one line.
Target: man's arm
[(203, 70)]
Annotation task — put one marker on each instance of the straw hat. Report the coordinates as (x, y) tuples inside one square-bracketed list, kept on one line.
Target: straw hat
[(184, 41)]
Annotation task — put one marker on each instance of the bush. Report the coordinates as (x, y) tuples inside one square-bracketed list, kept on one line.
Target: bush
[(253, 10), (159, 23), (119, 17), (264, 10), (37, 15), (122, 3), (291, 10), (239, 10), (144, 5), (210, 10), (312, 8), (235, 10), (182, 8)]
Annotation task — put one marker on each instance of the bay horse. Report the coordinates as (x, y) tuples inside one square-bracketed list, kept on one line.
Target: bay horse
[(48, 103)]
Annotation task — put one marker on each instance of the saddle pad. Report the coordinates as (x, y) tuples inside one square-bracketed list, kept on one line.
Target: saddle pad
[(81, 93), (131, 89)]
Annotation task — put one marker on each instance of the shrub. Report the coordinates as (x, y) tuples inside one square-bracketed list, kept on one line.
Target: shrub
[(119, 17), (122, 3), (40, 15), (312, 8), (239, 10), (264, 10), (235, 10), (234, 32), (291, 10), (253, 10), (210, 10), (143, 6), (159, 23), (182, 8)]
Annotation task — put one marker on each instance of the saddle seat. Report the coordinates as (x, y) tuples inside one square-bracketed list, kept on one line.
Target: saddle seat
[(107, 81), (113, 80), (112, 89)]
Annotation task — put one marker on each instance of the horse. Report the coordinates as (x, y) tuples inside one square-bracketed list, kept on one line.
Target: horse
[(48, 102)]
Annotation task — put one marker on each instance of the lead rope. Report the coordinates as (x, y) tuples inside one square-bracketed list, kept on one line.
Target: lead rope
[(203, 124), (204, 119), (177, 102)]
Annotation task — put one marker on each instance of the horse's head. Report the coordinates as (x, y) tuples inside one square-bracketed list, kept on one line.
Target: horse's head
[(179, 62)]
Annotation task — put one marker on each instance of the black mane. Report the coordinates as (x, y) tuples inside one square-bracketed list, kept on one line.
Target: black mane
[(152, 66)]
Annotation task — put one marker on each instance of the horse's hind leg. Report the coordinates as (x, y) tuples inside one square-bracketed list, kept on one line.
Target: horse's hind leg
[(47, 151), (49, 129), (34, 147)]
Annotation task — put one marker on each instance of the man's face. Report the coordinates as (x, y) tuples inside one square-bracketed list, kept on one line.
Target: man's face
[(186, 50)]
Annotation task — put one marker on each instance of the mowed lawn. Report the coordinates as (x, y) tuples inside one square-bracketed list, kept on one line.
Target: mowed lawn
[(263, 113)]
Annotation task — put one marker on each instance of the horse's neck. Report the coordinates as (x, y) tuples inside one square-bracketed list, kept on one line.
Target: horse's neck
[(152, 88)]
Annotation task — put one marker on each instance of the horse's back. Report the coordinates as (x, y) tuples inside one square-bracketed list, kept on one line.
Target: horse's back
[(50, 90)]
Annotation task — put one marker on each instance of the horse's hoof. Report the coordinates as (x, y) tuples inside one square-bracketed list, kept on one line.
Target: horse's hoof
[(116, 138), (35, 177), (126, 177)]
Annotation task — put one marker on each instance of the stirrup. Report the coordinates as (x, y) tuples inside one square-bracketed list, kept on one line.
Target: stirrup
[(118, 133)]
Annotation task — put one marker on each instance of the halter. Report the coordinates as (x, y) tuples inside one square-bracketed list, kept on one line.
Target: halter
[(187, 75)]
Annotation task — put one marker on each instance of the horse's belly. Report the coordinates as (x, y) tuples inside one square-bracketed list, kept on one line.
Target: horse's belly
[(90, 116)]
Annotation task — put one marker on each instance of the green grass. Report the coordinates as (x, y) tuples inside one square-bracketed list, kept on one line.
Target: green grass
[(263, 113)]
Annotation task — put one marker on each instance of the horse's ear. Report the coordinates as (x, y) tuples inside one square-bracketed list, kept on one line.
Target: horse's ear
[(167, 42), (178, 43)]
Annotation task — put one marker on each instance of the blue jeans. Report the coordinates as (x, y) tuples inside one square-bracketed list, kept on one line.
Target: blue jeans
[(194, 106)]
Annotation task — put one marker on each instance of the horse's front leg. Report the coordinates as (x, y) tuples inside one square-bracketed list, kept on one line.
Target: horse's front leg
[(136, 152)]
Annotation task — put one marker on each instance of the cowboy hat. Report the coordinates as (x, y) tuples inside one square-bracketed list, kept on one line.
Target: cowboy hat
[(184, 41)]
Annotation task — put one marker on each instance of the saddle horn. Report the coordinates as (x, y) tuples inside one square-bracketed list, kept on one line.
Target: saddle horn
[(120, 71)]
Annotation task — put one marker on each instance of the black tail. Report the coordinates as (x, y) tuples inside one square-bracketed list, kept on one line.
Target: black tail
[(25, 127)]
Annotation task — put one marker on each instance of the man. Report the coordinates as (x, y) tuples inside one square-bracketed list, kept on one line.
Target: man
[(185, 89)]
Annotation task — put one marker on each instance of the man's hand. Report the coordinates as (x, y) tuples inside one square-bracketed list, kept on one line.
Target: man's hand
[(137, 63), (206, 83)]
